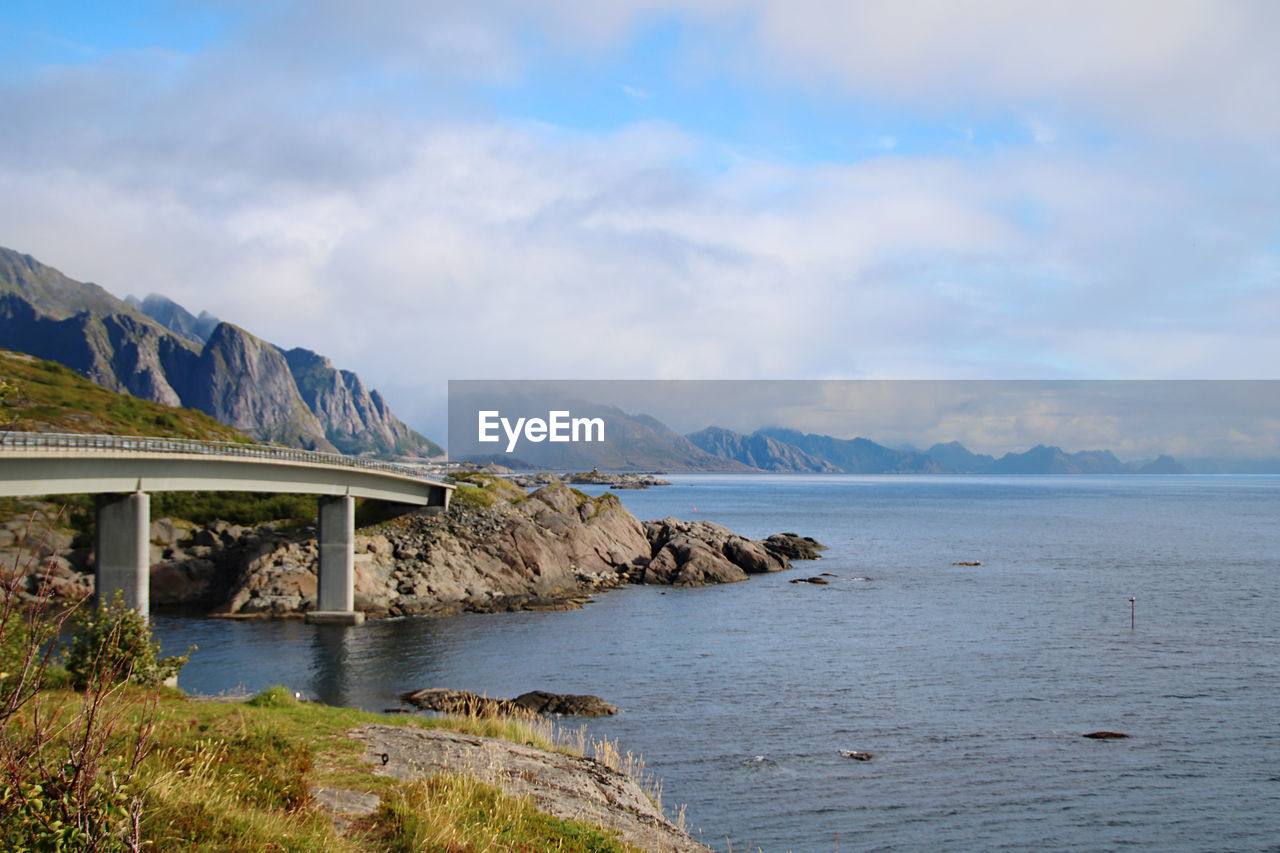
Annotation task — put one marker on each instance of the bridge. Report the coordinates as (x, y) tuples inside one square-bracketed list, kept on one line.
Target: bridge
[(122, 471)]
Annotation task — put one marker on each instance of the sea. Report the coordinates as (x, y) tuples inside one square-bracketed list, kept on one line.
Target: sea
[(1143, 605)]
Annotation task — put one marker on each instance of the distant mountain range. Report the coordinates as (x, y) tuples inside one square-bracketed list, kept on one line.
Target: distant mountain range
[(777, 449), (640, 442), (156, 350)]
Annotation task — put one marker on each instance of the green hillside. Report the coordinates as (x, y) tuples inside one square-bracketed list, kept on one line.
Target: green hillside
[(43, 396)]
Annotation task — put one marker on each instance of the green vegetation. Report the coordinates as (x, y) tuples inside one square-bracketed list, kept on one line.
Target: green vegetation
[(483, 490), (237, 776), (113, 643), (247, 509), (243, 508), (126, 764), (468, 496), (43, 396)]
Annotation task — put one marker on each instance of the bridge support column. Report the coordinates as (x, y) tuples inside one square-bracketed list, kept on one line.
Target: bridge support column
[(122, 549), (336, 575)]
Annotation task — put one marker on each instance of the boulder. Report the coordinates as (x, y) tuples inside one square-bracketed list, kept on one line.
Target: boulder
[(699, 552), (542, 702), (793, 546), (464, 702)]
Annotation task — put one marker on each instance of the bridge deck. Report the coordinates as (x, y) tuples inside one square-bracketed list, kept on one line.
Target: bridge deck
[(50, 463)]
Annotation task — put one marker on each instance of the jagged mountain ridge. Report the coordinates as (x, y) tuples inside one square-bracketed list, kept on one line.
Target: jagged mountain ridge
[(232, 375), (758, 451), (175, 318), (777, 449), (857, 455)]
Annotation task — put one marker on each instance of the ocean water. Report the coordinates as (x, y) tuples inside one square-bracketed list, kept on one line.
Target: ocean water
[(971, 686)]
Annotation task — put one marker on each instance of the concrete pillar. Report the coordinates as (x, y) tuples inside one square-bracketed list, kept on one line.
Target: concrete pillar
[(336, 575), (122, 549)]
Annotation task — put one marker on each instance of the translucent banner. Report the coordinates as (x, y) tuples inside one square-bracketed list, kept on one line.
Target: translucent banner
[(869, 426)]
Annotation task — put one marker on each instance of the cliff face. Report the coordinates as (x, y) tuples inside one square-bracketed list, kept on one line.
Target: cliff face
[(156, 350), (353, 417), (244, 381)]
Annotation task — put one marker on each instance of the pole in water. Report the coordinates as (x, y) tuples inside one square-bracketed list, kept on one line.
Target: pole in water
[(1130, 613)]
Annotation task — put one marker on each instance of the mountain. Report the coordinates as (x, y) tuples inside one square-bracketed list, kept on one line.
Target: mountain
[(175, 318), (125, 353), (758, 451), (167, 355), (1164, 464), (1054, 460), (50, 292), (43, 396), (244, 381), (355, 419), (856, 455), (959, 458)]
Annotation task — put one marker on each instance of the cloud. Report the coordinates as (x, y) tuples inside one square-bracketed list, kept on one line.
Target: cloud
[(343, 189), (1184, 67)]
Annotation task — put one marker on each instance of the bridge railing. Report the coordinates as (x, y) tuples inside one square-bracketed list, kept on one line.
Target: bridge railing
[(146, 444)]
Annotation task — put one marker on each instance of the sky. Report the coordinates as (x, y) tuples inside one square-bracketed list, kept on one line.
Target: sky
[(657, 189)]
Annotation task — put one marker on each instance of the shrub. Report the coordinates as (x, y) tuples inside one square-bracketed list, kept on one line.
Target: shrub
[(62, 786), (113, 643), (24, 646), (472, 497), (276, 696)]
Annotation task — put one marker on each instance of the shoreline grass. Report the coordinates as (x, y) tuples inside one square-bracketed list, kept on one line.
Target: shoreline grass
[(238, 775)]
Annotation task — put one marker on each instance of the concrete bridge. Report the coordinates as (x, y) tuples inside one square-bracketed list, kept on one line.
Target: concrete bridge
[(122, 471)]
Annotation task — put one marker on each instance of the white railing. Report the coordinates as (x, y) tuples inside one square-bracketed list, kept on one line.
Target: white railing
[(145, 444)]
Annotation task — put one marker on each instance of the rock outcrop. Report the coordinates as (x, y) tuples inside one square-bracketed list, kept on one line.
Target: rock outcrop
[(465, 702), (690, 553), (565, 786), (530, 552)]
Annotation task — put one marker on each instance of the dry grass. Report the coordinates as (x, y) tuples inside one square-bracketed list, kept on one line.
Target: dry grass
[(238, 775), (459, 813)]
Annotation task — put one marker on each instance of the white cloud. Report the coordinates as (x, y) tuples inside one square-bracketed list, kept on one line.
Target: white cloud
[(260, 183)]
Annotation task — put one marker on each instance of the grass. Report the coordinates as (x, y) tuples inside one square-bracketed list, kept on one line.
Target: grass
[(237, 776), (43, 396), (448, 813)]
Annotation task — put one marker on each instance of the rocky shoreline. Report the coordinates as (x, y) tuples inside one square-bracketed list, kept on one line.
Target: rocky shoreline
[(565, 786), (498, 548)]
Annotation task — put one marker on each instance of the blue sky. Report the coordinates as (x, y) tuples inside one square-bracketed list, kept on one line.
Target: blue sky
[(665, 189)]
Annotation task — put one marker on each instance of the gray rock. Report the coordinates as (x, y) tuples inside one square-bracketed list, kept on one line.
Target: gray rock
[(466, 703), (564, 786), (794, 546)]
